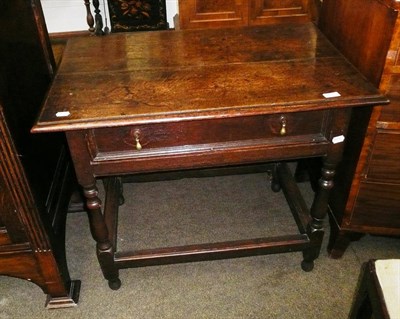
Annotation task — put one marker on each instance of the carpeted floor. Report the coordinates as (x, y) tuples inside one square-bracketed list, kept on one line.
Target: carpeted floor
[(196, 210)]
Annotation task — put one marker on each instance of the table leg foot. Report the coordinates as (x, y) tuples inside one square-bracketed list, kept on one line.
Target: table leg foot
[(312, 253), (307, 265), (121, 198), (275, 185), (114, 284)]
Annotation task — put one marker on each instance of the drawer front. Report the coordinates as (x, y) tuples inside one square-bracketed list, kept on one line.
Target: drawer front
[(384, 164), (191, 136), (377, 205)]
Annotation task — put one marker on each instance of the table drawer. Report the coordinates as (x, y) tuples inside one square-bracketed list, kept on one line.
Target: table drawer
[(189, 136)]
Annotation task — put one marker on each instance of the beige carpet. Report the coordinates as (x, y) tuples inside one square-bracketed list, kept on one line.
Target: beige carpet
[(197, 210)]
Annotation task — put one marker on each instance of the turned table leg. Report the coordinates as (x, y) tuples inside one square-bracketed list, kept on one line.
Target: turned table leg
[(100, 233), (275, 185), (77, 142), (318, 213)]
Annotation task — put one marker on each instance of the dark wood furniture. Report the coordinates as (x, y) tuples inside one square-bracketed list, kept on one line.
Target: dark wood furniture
[(35, 172), (193, 99), (228, 13), (376, 294), (95, 23), (366, 198)]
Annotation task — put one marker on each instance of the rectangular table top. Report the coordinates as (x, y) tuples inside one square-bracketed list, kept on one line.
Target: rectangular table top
[(160, 76)]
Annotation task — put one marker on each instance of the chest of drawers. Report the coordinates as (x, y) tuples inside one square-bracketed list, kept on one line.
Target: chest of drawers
[(367, 196)]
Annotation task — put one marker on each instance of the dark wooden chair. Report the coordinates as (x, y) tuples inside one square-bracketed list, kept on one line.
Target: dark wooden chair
[(378, 293)]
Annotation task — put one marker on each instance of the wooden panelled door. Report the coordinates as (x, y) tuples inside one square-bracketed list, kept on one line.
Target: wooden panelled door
[(272, 11), (195, 14), (212, 13)]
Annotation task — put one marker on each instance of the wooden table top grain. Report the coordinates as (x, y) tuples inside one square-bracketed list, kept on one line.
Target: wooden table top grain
[(150, 77)]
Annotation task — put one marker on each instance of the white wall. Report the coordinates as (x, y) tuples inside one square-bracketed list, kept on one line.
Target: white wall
[(70, 15)]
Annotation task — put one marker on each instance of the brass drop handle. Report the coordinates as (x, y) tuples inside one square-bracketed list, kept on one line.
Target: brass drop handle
[(283, 126), (136, 134)]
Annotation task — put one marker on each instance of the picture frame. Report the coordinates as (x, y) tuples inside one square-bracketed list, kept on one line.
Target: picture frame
[(137, 15)]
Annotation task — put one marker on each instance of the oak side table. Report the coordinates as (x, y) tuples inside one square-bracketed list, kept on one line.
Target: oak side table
[(176, 100)]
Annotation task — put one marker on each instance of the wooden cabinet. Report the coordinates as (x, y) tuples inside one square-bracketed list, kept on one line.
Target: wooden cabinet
[(229, 13), (367, 199), (274, 11), (205, 14), (35, 174)]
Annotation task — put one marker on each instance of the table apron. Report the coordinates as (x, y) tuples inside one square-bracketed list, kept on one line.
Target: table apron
[(206, 158)]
